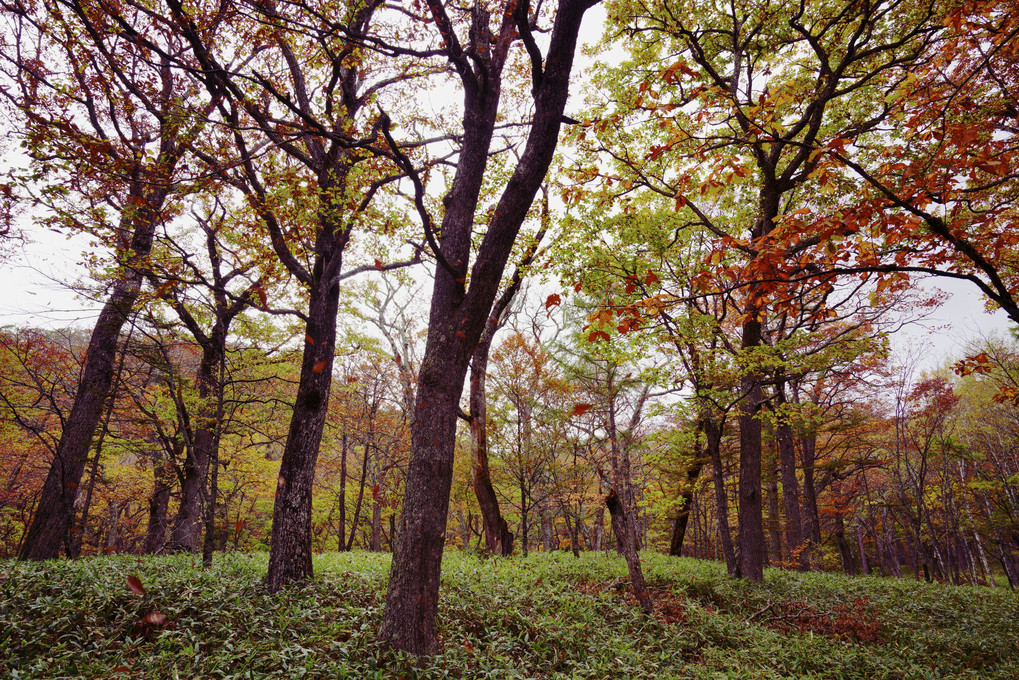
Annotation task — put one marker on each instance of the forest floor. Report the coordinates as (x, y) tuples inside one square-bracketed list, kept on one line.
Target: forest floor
[(545, 616)]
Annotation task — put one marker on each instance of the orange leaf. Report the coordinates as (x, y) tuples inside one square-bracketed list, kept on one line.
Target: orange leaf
[(580, 409), (135, 584)]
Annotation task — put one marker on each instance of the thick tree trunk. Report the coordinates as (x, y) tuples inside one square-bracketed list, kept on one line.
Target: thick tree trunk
[(54, 515), (458, 316), (751, 511), (290, 547)]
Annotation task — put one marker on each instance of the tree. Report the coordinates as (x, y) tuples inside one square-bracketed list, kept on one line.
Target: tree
[(338, 167), (107, 125), (462, 294)]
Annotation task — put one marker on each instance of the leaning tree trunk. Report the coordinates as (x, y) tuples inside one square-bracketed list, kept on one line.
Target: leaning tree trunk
[(50, 528), (622, 525)]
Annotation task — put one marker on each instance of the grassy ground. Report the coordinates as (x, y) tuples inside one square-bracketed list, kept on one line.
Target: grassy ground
[(547, 616)]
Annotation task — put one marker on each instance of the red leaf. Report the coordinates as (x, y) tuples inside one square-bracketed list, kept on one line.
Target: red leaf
[(135, 584), (262, 298), (319, 366), (598, 335), (631, 285), (378, 264), (310, 340), (651, 278), (580, 409), (552, 301)]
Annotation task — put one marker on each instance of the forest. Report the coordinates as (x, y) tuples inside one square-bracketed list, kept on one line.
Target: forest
[(423, 277)]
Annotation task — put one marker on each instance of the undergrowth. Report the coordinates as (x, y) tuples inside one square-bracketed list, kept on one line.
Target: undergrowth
[(546, 616)]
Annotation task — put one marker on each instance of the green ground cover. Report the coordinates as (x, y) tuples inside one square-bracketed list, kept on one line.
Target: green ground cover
[(546, 616)]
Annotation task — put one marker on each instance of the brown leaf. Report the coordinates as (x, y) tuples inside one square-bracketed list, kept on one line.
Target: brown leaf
[(552, 301), (135, 584), (378, 264)]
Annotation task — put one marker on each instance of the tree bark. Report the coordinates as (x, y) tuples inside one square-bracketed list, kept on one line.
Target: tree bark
[(751, 508), (457, 317), (290, 547)]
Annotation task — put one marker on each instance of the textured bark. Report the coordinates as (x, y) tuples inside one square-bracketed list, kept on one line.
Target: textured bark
[(290, 546), (457, 317), (751, 511)]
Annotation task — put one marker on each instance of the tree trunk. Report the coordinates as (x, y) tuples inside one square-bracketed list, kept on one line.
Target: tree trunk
[(812, 523), (498, 539), (342, 542), (360, 498), (55, 511), (790, 489), (622, 526), (683, 515), (290, 547), (187, 526), (458, 316), (713, 433), (163, 478), (774, 556), (751, 510)]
